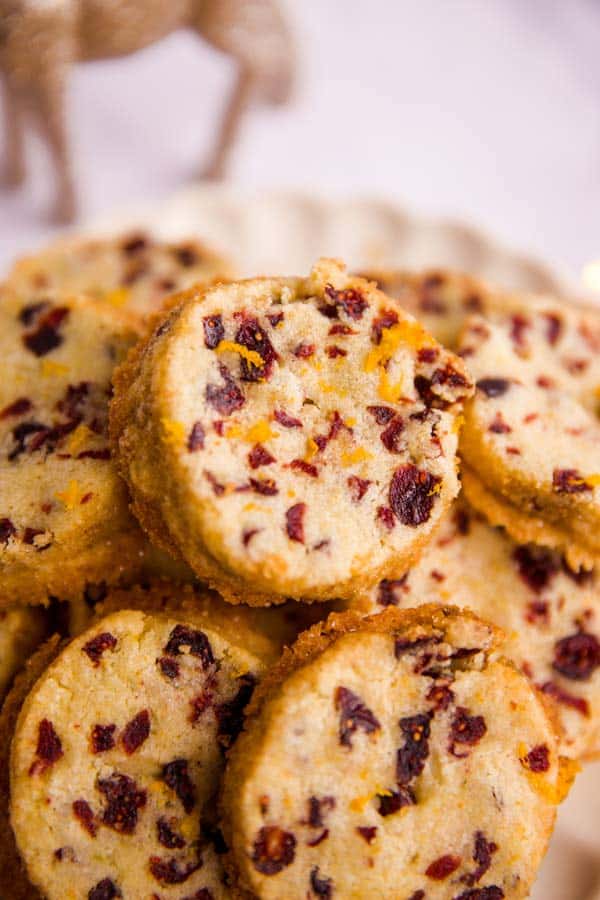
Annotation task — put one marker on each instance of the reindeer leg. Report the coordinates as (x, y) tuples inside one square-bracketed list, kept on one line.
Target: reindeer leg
[(51, 116), (238, 101), (13, 166)]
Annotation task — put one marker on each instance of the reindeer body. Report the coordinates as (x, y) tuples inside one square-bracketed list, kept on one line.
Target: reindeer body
[(41, 39)]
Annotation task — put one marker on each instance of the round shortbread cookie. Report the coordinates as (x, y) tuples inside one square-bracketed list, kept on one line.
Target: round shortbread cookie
[(290, 437), (440, 298), (398, 755), (135, 271), (22, 628), (531, 433), (64, 517), (117, 754), (548, 612)]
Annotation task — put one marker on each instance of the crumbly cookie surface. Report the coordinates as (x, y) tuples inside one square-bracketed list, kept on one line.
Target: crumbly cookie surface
[(133, 271), (290, 437), (22, 628), (547, 610), (400, 750), (531, 432), (117, 755), (64, 517)]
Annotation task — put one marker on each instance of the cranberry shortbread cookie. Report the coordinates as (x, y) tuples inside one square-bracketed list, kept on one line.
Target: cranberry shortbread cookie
[(117, 755), (64, 518), (135, 270), (549, 612), (398, 755), (290, 437), (531, 434)]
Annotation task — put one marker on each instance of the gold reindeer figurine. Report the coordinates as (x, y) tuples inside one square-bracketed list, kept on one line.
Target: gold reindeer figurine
[(41, 39)]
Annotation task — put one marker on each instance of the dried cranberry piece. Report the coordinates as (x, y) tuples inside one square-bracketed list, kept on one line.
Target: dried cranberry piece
[(367, 832), (381, 414), (577, 656), (136, 732), (167, 837), (441, 696), (284, 418), (340, 328), (168, 667), (46, 336), (410, 759), (319, 839), (214, 331), (499, 426), (104, 890), (386, 590), (98, 645), (493, 387), (49, 747), (28, 437), (267, 487), (135, 243), (442, 867), (300, 465), (569, 481), (102, 738), (83, 811), (175, 775), (225, 399), (418, 895), (7, 530), (412, 494), (218, 488), (17, 408), (427, 355), (486, 893), (259, 456), (354, 715), (251, 335), (537, 566), (391, 436), (322, 887), (304, 351), (172, 871), (196, 437), (553, 327), (393, 801), (358, 487), (482, 854), (317, 807), (123, 800), (273, 850), (538, 758), (465, 729), (349, 301), (248, 534), (386, 517), (333, 351), (196, 641), (275, 318), (200, 703), (230, 715), (186, 255), (202, 894), (386, 319), (294, 522)]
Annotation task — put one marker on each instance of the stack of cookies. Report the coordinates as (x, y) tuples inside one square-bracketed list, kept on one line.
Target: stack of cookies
[(297, 576)]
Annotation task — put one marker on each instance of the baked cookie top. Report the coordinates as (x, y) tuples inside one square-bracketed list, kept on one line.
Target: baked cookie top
[(292, 437), (547, 610), (134, 271), (117, 755), (398, 750), (531, 432), (63, 508)]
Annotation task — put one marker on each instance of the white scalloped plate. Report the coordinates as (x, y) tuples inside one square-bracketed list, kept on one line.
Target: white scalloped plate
[(278, 232)]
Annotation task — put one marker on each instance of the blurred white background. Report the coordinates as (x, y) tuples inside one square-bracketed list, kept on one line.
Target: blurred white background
[(484, 110)]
